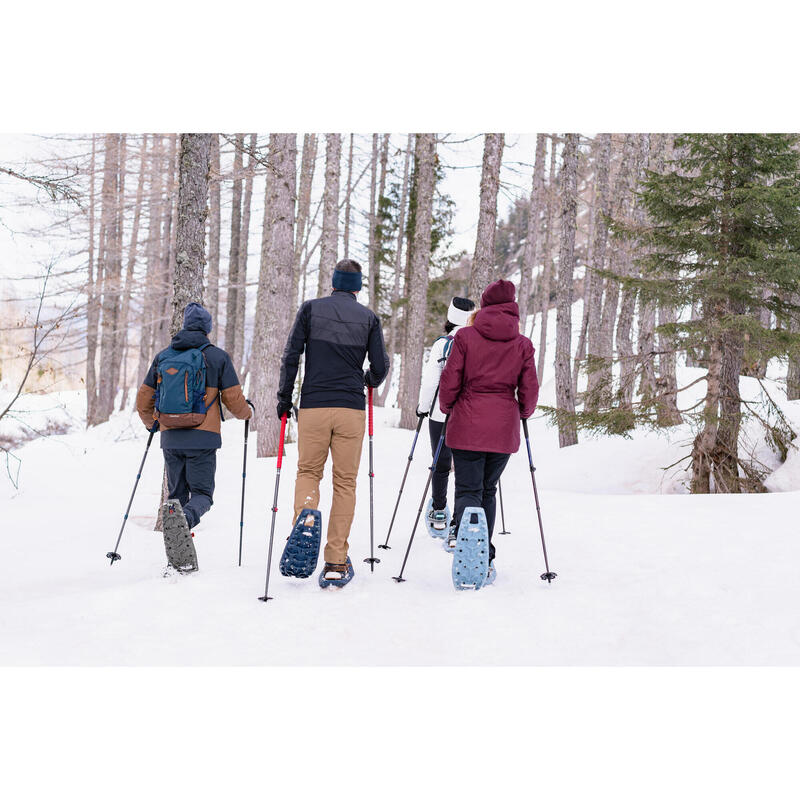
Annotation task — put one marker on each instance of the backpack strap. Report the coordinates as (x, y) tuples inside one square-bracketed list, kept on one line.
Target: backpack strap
[(219, 391), (447, 348)]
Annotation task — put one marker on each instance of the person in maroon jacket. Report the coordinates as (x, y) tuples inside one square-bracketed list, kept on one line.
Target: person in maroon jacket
[(488, 384)]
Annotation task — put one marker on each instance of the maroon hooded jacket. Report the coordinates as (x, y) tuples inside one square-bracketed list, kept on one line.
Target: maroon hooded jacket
[(489, 380)]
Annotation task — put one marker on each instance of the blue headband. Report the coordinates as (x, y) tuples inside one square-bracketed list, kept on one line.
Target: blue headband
[(346, 281)]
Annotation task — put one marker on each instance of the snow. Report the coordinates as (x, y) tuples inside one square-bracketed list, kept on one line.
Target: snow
[(647, 575)]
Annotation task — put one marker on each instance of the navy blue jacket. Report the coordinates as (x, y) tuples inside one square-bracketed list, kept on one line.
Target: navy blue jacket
[(336, 333), (221, 382)]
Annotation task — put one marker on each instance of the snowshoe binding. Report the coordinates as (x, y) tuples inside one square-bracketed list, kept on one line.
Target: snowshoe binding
[(471, 555), (437, 520), (492, 574), (450, 538), (336, 575), (301, 553), (178, 543)]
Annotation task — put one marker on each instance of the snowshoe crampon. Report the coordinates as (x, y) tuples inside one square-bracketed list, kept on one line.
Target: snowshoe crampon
[(336, 575), (178, 542), (301, 554), (437, 520), (471, 554)]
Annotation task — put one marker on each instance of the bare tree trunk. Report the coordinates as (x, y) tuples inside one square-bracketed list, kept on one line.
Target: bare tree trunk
[(244, 241), (129, 276), (303, 210), (111, 268), (380, 399), (482, 271), (646, 345), (152, 255), (347, 198), (628, 305), (214, 230), (706, 441), (608, 318), (274, 304), (329, 245), (190, 229), (375, 291), (92, 301), (565, 400), (425, 158), (532, 240), (547, 272), (232, 304), (167, 276), (594, 301), (373, 213)]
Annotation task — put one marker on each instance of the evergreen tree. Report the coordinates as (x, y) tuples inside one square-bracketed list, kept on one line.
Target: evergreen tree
[(721, 235)]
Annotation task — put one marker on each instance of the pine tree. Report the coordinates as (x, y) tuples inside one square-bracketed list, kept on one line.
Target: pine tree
[(722, 235)]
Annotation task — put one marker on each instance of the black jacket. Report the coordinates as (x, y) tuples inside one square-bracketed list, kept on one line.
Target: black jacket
[(336, 333)]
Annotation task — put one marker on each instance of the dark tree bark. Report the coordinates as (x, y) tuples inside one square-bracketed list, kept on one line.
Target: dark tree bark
[(565, 400), (190, 229), (232, 303), (214, 230), (532, 254), (425, 159), (482, 272)]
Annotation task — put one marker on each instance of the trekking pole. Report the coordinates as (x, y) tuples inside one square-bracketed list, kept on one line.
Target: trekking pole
[(244, 476), (400, 577), (547, 576), (503, 532), (385, 545), (114, 555), (274, 508), (372, 561)]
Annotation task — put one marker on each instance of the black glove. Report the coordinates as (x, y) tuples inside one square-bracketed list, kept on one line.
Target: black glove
[(368, 382), (422, 414), (284, 407)]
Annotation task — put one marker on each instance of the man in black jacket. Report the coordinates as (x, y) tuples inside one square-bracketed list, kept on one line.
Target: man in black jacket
[(336, 333)]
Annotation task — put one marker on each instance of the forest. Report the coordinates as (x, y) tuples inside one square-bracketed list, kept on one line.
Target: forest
[(648, 266)]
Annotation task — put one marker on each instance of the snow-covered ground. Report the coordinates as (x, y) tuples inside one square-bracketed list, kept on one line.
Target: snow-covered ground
[(647, 574)]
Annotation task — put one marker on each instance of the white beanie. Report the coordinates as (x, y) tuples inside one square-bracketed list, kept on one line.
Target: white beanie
[(459, 311)]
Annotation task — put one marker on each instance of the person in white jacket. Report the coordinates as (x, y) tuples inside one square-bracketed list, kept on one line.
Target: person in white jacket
[(458, 315)]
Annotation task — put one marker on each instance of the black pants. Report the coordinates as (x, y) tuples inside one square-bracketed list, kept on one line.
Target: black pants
[(477, 474), (190, 479), (443, 465)]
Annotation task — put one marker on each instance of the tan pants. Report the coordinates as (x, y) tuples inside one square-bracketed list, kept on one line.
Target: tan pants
[(340, 430)]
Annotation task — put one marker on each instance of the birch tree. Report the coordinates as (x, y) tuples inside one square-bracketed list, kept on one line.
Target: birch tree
[(547, 272), (482, 271), (565, 400), (274, 303), (424, 158), (244, 241), (307, 164)]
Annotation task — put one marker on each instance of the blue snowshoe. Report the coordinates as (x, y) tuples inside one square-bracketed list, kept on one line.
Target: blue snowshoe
[(437, 521), (301, 554), (471, 555), (336, 575)]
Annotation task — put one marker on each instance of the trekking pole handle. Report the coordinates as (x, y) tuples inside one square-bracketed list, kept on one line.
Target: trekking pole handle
[(250, 404), (154, 428), (369, 399), (280, 444)]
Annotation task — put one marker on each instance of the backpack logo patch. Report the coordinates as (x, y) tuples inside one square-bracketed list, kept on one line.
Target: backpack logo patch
[(171, 371)]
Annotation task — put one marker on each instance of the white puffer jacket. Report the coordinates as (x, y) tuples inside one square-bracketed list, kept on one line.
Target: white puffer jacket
[(431, 374)]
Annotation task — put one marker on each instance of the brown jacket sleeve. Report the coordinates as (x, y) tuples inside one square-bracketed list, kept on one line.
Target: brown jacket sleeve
[(146, 404), (233, 397)]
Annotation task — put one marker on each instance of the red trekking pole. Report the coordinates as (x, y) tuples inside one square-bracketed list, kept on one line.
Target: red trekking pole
[(372, 561), (274, 507)]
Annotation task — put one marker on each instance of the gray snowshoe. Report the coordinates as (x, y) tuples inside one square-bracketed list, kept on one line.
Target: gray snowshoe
[(178, 543)]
